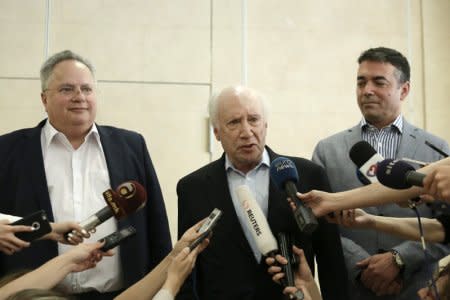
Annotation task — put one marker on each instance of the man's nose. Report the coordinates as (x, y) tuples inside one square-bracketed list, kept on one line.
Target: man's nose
[(246, 129), (368, 88)]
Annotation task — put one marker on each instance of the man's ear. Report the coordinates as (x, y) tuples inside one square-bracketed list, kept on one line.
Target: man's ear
[(405, 90), (44, 100), (216, 134)]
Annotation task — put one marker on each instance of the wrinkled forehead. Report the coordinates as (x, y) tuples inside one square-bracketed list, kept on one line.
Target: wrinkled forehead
[(71, 72), (235, 104)]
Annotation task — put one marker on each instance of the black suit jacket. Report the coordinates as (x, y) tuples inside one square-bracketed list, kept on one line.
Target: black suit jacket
[(24, 186), (227, 268)]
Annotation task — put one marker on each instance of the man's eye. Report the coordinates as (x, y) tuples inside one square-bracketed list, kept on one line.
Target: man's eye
[(86, 89), (66, 89), (380, 83)]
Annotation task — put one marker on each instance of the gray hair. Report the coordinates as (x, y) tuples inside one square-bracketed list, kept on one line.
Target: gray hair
[(52, 61), (237, 90)]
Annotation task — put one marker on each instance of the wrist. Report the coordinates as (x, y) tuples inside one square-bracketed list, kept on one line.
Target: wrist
[(397, 260)]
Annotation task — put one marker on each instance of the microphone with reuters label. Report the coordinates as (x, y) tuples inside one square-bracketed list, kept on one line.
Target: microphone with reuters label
[(128, 198)]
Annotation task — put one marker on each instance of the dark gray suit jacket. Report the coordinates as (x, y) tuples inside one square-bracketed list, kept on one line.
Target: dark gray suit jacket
[(333, 154), (24, 186), (227, 268)]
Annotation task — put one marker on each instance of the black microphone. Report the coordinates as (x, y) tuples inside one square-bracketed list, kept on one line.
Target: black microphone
[(284, 174), (366, 159), (128, 197), (398, 174), (436, 149), (266, 243)]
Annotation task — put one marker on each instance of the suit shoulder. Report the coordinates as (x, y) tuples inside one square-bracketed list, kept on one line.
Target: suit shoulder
[(304, 164), (428, 135), (118, 131), (337, 137), (15, 138), (202, 172)]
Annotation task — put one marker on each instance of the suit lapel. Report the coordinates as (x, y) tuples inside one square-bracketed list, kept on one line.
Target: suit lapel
[(352, 137), (34, 164), (220, 197), (114, 155), (409, 141)]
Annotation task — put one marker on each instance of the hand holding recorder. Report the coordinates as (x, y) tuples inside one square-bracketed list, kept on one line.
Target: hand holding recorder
[(128, 197)]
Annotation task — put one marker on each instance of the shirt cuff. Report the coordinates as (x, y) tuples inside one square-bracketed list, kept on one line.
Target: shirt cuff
[(163, 294)]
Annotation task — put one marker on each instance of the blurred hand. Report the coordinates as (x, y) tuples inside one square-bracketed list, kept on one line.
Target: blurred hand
[(9, 243), (353, 218), (86, 256), (59, 229), (180, 267), (187, 238), (437, 183), (320, 202), (380, 274), (304, 280)]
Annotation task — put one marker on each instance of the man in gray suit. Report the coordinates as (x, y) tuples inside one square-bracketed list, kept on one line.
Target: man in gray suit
[(381, 266)]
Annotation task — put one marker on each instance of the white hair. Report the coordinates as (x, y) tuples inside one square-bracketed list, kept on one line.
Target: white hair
[(236, 90)]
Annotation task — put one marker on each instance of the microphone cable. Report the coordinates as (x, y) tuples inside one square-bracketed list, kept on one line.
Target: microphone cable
[(428, 258)]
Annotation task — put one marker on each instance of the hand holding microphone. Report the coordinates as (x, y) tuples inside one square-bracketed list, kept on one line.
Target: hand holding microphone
[(284, 174), (128, 198), (257, 224)]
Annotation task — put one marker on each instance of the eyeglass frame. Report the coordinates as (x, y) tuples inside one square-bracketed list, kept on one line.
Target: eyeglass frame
[(70, 90)]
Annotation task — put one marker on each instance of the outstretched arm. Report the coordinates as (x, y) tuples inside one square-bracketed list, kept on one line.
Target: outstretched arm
[(170, 272), (407, 228), (79, 258), (376, 194)]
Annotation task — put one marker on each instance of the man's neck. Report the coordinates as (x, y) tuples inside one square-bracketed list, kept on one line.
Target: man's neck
[(75, 134)]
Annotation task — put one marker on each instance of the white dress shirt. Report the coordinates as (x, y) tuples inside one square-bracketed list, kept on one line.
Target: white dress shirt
[(76, 180), (163, 294), (257, 180), (9, 218)]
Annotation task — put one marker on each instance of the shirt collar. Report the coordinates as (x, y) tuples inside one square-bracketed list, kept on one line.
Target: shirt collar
[(398, 123), (51, 132), (265, 161)]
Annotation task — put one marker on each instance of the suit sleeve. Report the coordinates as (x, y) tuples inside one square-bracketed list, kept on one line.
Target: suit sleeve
[(329, 255), (187, 290)]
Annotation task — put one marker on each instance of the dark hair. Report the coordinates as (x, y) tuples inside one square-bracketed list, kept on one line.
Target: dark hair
[(395, 58)]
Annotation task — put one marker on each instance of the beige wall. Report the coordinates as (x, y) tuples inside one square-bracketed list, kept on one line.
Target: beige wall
[(158, 61)]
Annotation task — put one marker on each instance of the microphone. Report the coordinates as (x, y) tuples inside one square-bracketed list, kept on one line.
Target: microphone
[(436, 149), (128, 197), (366, 159), (284, 174), (266, 243), (398, 174), (256, 222)]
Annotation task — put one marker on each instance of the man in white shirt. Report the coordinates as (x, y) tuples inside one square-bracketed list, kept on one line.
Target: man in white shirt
[(65, 164)]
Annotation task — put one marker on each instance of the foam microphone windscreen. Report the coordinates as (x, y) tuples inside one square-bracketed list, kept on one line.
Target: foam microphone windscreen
[(128, 197), (361, 152), (283, 170), (393, 173)]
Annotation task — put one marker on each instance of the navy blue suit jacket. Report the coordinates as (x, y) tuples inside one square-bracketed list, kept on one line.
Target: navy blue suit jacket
[(227, 269), (24, 190)]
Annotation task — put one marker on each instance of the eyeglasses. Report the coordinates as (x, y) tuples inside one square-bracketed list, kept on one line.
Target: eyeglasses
[(72, 90)]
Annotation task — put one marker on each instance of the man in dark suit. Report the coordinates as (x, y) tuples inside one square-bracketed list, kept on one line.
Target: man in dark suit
[(64, 164), (231, 267)]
